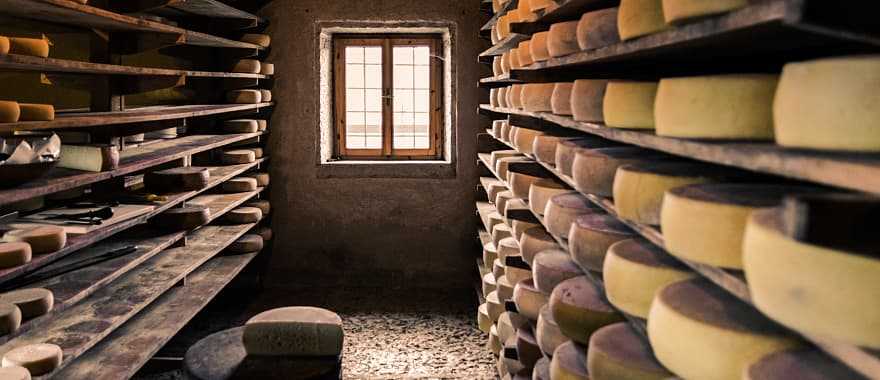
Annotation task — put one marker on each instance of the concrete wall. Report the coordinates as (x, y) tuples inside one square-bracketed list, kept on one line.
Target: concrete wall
[(364, 228)]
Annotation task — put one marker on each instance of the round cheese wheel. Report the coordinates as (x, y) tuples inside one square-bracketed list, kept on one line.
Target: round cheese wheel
[(829, 104), (176, 180), (4, 45), (267, 68), (560, 99), (493, 100), (629, 104), (547, 333), (497, 268), (265, 96), (524, 50), (490, 253), (579, 309), (521, 184), (9, 111), (515, 59), (14, 254), (598, 29), (484, 323), (493, 343), (246, 244), (617, 352), (240, 126), (562, 39), (722, 107), (257, 39), (544, 147), (569, 362), (496, 67), (591, 235), (537, 97), (36, 112), (723, 210), (239, 185), (504, 288), (244, 215), (494, 305), (515, 96), (136, 138), (520, 227), (496, 127), (508, 364), (238, 156), (499, 232), (262, 125), (539, 50), (505, 66), (801, 364), (636, 18), (15, 373), (504, 163), (677, 11), (566, 150), (32, 302), (517, 274), (542, 369), (262, 178), (528, 299), (37, 47), (42, 239), (696, 318), (261, 204), (39, 359), (264, 232), (846, 312), (499, 154), (524, 139), (244, 96), (182, 218), (533, 241), (494, 219), (635, 270), (249, 66), (551, 267), (489, 284), (541, 191), (502, 99), (294, 331), (593, 170), (509, 323), (527, 349), (587, 97), (562, 210), (526, 14), (10, 317)]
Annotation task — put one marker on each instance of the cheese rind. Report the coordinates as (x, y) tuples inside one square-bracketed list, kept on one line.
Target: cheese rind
[(593, 170), (36, 112), (537, 97), (579, 309), (636, 18), (239, 185), (93, 158), (560, 100), (496, 67), (37, 47), (246, 244), (533, 241), (42, 239), (528, 299), (483, 321), (14, 254), (244, 96), (262, 178), (569, 362), (591, 235), (616, 352), (261, 204), (293, 331), (552, 267), (504, 288), (587, 98), (539, 49), (4, 45), (238, 156), (267, 68), (10, 318), (32, 302), (562, 210), (489, 284), (566, 150), (494, 306), (257, 39), (547, 332), (524, 52), (182, 218), (541, 191), (629, 104), (15, 373), (175, 180), (801, 364), (598, 29), (544, 147), (240, 126), (38, 359), (524, 139), (247, 66), (562, 39), (509, 323), (244, 215), (527, 350), (265, 96), (9, 111), (677, 11)]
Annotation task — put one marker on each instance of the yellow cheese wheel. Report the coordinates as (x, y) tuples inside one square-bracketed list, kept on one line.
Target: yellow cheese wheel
[(32, 302), (489, 284), (527, 351), (536, 97), (616, 352), (551, 267), (579, 309), (10, 318), (9, 111), (37, 47), (528, 299), (42, 239), (829, 104), (847, 312), (629, 104), (696, 318), (593, 170), (257, 39), (502, 98), (636, 18), (14, 254), (524, 52), (562, 210), (503, 24), (267, 68), (494, 306), (244, 96), (514, 97), (39, 359), (533, 241), (544, 147), (587, 97), (560, 99), (541, 191), (36, 112), (598, 29), (737, 107), (566, 150), (801, 364), (238, 156), (547, 333), (4, 45), (484, 323), (493, 343), (509, 323), (496, 67), (249, 66), (591, 235), (526, 14), (524, 139), (569, 362), (539, 49), (262, 178), (635, 270), (504, 288), (562, 39), (677, 11), (505, 63), (15, 373), (515, 59)]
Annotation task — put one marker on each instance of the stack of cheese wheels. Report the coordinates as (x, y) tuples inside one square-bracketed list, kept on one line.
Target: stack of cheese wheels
[(10, 111), (504, 288), (494, 305), (801, 364), (696, 318), (484, 323), (267, 68), (541, 191), (551, 267), (533, 241), (249, 66), (629, 104), (639, 188), (593, 170), (502, 97), (32, 302), (539, 49), (294, 331), (562, 210), (489, 283), (37, 47), (723, 210), (598, 29), (544, 147), (617, 352), (524, 52), (547, 332), (524, 139), (829, 104), (566, 151), (579, 309), (724, 107), (562, 39), (257, 39), (42, 239), (527, 349), (587, 98), (569, 362), (636, 18), (560, 100), (676, 11), (508, 324), (591, 235), (777, 266), (493, 343), (14, 254), (38, 359), (635, 270), (537, 97), (10, 318), (499, 232), (499, 154), (528, 299)]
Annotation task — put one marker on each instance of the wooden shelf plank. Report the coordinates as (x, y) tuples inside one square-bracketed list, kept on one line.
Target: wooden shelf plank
[(487, 28), (503, 46), (499, 81), (62, 66), (203, 8), (568, 10)]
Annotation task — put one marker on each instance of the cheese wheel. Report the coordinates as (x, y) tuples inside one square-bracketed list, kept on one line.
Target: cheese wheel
[(551, 267), (504, 99), (801, 364), (182, 218), (15, 373), (541, 191), (240, 126), (248, 66), (593, 170), (32, 302), (497, 268), (579, 309), (722, 107), (846, 312), (696, 318), (239, 185), (265, 96), (598, 29), (490, 253), (501, 202), (524, 51), (538, 49), (515, 96), (264, 232), (528, 299), (10, 318), (527, 350), (616, 352), (239, 156), (520, 227), (520, 184), (244, 215), (42, 239), (262, 204), (829, 104), (629, 104), (36, 112), (587, 100), (524, 139), (547, 333), (508, 364), (93, 158), (591, 235), (639, 188), (566, 150), (489, 283), (493, 34), (293, 331), (677, 11), (569, 362), (723, 210), (9, 111), (509, 323), (544, 147), (505, 66), (246, 244), (635, 270), (267, 68), (560, 99), (636, 18), (484, 323), (257, 39), (14, 254), (562, 210), (542, 369), (499, 154), (496, 125), (496, 67), (533, 241), (515, 59), (504, 288), (526, 14), (499, 232), (517, 274), (177, 180), (244, 96), (38, 359), (495, 218), (37, 47), (258, 152), (262, 178), (493, 343), (493, 100), (4, 45), (494, 306), (504, 163), (562, 39)]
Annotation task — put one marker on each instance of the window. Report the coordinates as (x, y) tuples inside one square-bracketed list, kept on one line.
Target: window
[(388, 97)]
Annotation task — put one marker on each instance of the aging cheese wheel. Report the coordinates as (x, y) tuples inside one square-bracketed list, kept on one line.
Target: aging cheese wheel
[(587, 99), (244, 215), (39, 359), (560, 99), (497, 268), (526, 14), (517, 274), (240, 126), (539, 49), (677, 11), (36, 112), (544, 147), (484, 323), (520, 184), (542, 369), (541, 191), (569, 362), (562, 210), (593, 170), (489, 283), (182, 218), (267, 68), (9, 111), (598, 29), (579, 309), (177, 180), (496, 67), (515, 96), (562, 39), (244, 96), (528, 299), (496, 126), (261, 204), (499, 154), (262, 178), (551, 267), (505, 65), (14, 254), (493, 343), (264, 232), (696, 318), (257, 39), (508, 324), (777, 266), (293, 331), (527, 349), (265, 96), (494, 305), (495, 218), (93, 158), (500, 232), (248, 66), (15, 373), (547, 333), (724, 107), (524, 139), (42, 239), (238, 156), (246, 244), (515, 59), (36, 47), (591, 235), (503, 164), (629, 104), (533, 241), (537, 97), (262, 125), (493, 101), (829, 104), (524, 51), (4, 45), (520, 227), (504, 288), (32, 302), (616, 352), (635, 270), (10, 317), (801, 364), (565, 150), (240, 185), (636, 18), (490, 253)]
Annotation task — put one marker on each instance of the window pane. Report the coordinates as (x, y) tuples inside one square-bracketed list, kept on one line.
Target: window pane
[(421, 55), (403, 76), (354, 54), (421, 101), (355, 130), (403, 55), (403, 100), (373, 130), (354, 100), (421, 131), (412, 102), (422, 77), (373, 54), (373, 100), (373, 76), (354, 76)]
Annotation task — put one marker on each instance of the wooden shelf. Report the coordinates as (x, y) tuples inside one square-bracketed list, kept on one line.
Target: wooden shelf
[(503, 46), (62, 66), (201, 8), (503, 80), (486, 29), (568, 10)]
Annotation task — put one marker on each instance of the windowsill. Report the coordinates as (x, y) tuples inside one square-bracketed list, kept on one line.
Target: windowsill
[(387, 169)]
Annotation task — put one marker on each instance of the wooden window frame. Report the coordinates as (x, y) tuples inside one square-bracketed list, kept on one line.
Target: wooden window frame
[(388, 42)]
